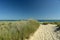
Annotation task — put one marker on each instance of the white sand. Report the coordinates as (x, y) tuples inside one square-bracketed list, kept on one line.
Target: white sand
[(45, 32)]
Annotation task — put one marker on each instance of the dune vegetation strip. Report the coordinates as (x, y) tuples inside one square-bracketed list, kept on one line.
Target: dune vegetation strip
[(45, 32), (17, 30)]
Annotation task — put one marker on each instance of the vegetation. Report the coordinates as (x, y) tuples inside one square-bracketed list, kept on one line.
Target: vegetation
[(45, 23), (58, 24), (18, 30)]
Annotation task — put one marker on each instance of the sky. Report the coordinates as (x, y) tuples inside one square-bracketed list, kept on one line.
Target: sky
[(25, 9)]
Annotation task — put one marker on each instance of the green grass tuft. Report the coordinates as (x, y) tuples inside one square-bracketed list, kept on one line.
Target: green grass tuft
[(19, 30)]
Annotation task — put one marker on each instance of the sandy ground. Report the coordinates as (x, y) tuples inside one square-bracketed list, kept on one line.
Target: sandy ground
[(45, 32)]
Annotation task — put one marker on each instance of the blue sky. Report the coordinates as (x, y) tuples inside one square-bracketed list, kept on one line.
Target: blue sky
[(25, 9)]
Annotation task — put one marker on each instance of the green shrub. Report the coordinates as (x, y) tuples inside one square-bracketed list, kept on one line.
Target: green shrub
[(58, 25), (51, 23), (55, 23), (45, 23)]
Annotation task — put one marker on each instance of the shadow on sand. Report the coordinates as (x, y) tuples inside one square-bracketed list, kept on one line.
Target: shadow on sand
[(57, 29)]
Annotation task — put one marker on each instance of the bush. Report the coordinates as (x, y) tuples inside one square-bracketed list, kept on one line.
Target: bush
[(58, 25), (55, 23), (45, 23)]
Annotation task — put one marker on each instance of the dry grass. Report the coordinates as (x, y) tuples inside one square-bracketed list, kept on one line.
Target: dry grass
[(18, 30)]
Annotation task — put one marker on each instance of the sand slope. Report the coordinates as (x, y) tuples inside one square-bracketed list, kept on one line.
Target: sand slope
[(45, 32)]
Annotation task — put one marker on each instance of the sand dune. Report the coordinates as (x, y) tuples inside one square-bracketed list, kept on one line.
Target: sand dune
[(45, 32)]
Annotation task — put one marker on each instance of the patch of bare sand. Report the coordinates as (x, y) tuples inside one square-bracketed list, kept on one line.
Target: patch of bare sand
[(45, 32)]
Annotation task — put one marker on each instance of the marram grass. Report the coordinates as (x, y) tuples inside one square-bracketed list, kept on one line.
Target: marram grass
[(19, 30)]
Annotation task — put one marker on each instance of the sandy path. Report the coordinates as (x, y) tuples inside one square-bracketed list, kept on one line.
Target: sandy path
[(45, 32)]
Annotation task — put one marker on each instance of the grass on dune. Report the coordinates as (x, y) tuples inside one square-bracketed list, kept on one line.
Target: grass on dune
[(56, 23), (19, 30)]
